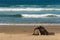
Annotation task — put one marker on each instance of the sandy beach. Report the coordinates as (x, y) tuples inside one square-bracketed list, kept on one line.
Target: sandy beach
[(24, 32)]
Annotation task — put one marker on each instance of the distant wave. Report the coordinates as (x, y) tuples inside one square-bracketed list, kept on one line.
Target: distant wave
[(27, 9), (17, 15), (35, 6), (39, 16)]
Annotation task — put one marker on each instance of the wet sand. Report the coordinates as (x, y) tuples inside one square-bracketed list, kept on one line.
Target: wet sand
[(24, 32)]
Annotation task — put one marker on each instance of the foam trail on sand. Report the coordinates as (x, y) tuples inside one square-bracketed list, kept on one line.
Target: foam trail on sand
[(27, 24)]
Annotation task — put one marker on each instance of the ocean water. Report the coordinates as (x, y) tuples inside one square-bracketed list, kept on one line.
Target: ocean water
[(30, 14)]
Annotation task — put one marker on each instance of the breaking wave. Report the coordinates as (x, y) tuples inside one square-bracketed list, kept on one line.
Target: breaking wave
[(27, 9), (32, 15), (39, 16)]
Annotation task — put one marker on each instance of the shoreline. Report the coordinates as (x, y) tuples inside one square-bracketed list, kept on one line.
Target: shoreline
[(29, 23)]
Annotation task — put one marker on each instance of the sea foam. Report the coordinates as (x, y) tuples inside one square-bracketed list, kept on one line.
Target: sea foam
[(39, 15), (27, 9)]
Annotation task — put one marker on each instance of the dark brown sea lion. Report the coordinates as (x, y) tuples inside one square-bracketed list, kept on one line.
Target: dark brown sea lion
[(41, 30)]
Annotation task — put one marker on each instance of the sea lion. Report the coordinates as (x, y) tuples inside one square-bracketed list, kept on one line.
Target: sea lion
[(41, 30)]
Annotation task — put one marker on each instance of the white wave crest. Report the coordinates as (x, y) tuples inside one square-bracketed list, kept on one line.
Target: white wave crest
[(27, 9), (39, 16)]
